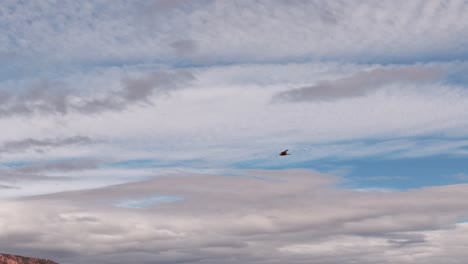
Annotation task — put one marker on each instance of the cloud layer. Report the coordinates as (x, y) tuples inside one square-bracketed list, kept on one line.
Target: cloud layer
[(258, 217), (262, 31)]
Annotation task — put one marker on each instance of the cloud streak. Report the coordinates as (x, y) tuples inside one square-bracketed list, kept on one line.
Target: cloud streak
[(361, 83), (42, 144), (60, 166), (53, 98), (7, 187)]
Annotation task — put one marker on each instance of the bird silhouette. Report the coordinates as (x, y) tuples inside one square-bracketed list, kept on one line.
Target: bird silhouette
[(284, 153)]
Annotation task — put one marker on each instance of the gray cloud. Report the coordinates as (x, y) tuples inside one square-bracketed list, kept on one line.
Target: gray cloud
[(14, 176), (38, 171), (7, 55), (402, 240), (41, 144), (159, 83), (47, 97), (60, 166), (6, 187), (360, 83), (184, 47), (293, 217), (152, 7), (44, 97)]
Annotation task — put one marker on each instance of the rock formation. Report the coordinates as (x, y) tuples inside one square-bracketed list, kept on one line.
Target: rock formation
[(12, 259)]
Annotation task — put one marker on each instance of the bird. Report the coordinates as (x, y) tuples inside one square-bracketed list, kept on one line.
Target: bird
[(284, 153)]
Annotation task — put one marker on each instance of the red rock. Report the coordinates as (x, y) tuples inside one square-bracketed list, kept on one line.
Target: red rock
[(12, 259)]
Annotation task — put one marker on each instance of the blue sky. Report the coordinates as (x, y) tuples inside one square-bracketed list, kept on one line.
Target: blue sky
[(149, 130)]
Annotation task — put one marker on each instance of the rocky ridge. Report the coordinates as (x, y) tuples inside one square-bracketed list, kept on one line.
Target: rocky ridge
[(13, 259)]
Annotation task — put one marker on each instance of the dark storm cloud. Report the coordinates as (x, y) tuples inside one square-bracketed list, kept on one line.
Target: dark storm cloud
[(48, 97), (360, 83)]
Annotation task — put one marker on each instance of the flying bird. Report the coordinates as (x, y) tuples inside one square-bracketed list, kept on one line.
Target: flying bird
[(284, 153)]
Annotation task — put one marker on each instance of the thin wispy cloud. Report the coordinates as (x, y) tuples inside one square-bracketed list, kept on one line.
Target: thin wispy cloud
[(460, 176)]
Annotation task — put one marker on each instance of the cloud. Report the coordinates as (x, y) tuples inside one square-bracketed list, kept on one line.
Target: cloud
[(155, 8), (144, 30), (160, 83), (289, 218), (8, 187), (44, 96), (460, 176), (361, 83), (41, 144), (17, 177), (53, 98), (184, 47), (59, 166), (147, 201)]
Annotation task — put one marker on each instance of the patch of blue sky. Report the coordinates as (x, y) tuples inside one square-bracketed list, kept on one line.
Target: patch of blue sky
[(15, 164), (400, 174), (388, 169), (409, 172), (458, 77), (145, 202)]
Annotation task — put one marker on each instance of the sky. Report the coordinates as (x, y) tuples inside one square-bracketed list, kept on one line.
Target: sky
[(148, 131)]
